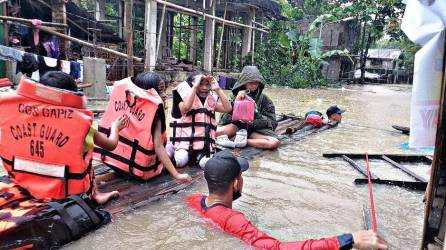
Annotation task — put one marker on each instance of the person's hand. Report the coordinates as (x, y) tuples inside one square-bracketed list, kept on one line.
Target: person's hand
[(119, 123), (241, 95), (366, 240), (183, 177), (214, 85), (197, 80)]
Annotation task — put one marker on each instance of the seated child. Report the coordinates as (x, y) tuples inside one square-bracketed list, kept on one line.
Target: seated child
[(193, 118), (141, 150), (260, 132), (52, 131)]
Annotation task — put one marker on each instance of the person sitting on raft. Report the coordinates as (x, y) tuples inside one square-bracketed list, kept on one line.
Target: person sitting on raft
[(223, 174), (260, 132), (141, 150), (334, 115), (193, 118), (51, 131)]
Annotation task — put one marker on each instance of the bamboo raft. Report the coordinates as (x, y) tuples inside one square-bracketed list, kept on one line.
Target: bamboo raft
[(135, 193)]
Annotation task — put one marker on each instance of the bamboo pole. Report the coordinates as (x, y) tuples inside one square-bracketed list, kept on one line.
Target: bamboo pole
[(129, 29), (221, 38), (222, 20), (81, 42), (10, 18), (158, 42)]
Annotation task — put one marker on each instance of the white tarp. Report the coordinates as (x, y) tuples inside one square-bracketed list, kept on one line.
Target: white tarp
[(424, 23)]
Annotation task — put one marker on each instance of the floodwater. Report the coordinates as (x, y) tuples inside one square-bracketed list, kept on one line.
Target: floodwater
[(294, 193)]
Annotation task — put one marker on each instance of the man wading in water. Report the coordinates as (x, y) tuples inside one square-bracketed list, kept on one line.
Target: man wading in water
[(223, 174)]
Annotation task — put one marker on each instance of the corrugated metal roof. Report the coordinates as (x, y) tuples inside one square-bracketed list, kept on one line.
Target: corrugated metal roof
[(390, 54)]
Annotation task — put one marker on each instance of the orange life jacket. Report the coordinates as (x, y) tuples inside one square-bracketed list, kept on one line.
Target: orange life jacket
[(42, 134), (195, 130), (135, 152)]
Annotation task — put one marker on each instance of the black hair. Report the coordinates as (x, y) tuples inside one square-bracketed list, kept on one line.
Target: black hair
[(148, 80), (60, 80), (218, 188), (191, 76)]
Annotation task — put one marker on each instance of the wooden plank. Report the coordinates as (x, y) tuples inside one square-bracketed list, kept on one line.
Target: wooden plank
[(128, 12), (357, 167), (395, 157), (415, 185), (404, 169)]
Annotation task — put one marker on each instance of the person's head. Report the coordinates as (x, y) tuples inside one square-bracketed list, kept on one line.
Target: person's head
[(60, 80), (250, 80), (204, 88), (334, 113), (223, 174), (151, 80)]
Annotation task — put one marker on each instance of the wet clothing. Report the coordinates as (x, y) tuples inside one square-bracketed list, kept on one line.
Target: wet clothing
[(265, 114), (235, 223)]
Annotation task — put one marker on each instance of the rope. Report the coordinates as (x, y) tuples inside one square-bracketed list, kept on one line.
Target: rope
[(372, 203)]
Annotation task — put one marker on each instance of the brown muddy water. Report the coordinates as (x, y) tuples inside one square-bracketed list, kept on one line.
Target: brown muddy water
[(294, 193)]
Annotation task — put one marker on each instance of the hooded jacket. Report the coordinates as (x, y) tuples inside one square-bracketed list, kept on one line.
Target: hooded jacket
[(265, 114)]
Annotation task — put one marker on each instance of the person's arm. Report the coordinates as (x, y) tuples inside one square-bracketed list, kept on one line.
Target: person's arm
[(239, 226), (111, 142), (265, 118), (225, 106), (160, 151), (186, 105)]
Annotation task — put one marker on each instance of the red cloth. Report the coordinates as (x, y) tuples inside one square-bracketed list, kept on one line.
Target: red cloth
[(37, 24), (235, 223), (314, 120)]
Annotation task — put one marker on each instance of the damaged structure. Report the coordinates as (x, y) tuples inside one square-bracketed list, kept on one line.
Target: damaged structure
[(133, 36)]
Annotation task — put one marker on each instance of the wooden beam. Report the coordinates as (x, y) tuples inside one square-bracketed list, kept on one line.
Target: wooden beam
[(150, 35), (193, 42), (209, 38), (247, 35), (404, 169), (415, 185), (81, 42), (220, 43), (23, 20), (129, 30), (163, 13), (357, 167), (212, 16)]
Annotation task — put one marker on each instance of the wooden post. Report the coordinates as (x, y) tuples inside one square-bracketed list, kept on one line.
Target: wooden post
[(193, 41), (59, 15), (247, 35), (100, 9), (220, 44), (121, 19), (253, 40), (150, 35), (209, 35), (161, 33), (129, 31)]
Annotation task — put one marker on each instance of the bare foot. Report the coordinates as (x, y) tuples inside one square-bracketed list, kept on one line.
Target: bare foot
[(102, 198)]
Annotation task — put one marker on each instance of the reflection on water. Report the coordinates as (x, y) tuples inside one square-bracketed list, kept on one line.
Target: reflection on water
[(295, 193)]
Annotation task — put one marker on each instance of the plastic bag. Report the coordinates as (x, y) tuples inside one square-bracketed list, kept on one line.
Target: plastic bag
[(244, 110)]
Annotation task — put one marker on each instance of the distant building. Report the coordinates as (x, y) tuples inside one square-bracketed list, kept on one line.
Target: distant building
[(384, 66), (335, 36)]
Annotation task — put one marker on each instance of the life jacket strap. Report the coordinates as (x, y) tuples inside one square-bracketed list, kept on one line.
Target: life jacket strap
[(126, 161), (201, 111), (128, 142)]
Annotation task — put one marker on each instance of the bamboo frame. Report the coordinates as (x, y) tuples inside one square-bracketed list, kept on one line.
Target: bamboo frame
[(221, 20)]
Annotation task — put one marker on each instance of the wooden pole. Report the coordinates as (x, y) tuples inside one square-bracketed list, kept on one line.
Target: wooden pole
[(253, 39), (209, 37), (218, 19), (150, 35), (158, 43), (221, 38), (129, 29), (23, 20)]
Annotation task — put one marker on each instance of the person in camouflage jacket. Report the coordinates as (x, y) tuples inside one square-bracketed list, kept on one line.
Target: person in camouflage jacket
[(260, 132)]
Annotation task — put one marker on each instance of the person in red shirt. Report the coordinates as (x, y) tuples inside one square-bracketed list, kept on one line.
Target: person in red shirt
[(223, 174)]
